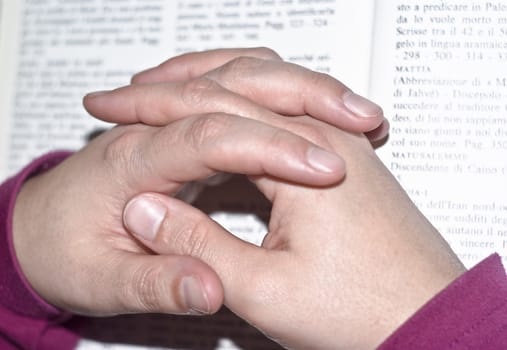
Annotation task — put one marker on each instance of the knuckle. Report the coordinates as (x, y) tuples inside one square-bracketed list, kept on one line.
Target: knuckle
[(196, 92), (319, 79), (123, 148), (145, 289), (192, 239), (266, 53), (316, 81), (318, 134), (124, 159), (206, 129), (239, 67), (280, 139)]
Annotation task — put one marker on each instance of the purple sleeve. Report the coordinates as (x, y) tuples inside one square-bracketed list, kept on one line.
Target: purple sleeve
[(471, 313), (26, 320)]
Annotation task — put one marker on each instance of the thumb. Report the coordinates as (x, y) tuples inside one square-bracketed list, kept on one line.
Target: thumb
[(166, 284), (169, 226)]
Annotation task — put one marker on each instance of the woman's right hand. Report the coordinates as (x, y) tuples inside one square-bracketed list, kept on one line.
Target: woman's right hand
[(341, 267)]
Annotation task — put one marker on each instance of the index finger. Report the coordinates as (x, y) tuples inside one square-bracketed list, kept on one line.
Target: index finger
[(262, 76), (278, 86), (199, 146)]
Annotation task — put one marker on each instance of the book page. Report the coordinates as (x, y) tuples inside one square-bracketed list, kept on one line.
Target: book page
[(439, 72), (66, 49), (330, 36), (7, 72)]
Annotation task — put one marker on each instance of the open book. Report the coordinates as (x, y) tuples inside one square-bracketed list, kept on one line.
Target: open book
[(437, 69)]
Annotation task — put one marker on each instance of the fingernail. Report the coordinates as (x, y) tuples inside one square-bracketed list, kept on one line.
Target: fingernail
[(361, 106), (143, 217), (96, 94), (324, 161), (194, 296)]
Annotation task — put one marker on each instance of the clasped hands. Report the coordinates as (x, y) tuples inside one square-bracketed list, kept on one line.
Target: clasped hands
[(346, 260)]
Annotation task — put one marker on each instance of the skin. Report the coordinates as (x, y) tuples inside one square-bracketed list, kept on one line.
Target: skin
[(334, 262), (253, 83), (96, 267), (337, 260), (86, 261)]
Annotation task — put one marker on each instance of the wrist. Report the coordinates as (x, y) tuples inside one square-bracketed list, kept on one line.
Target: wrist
[(20, 297), (425, 278)]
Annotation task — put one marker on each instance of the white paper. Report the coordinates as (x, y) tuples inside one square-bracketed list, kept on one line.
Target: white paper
[(438, 71), (68, 49)]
